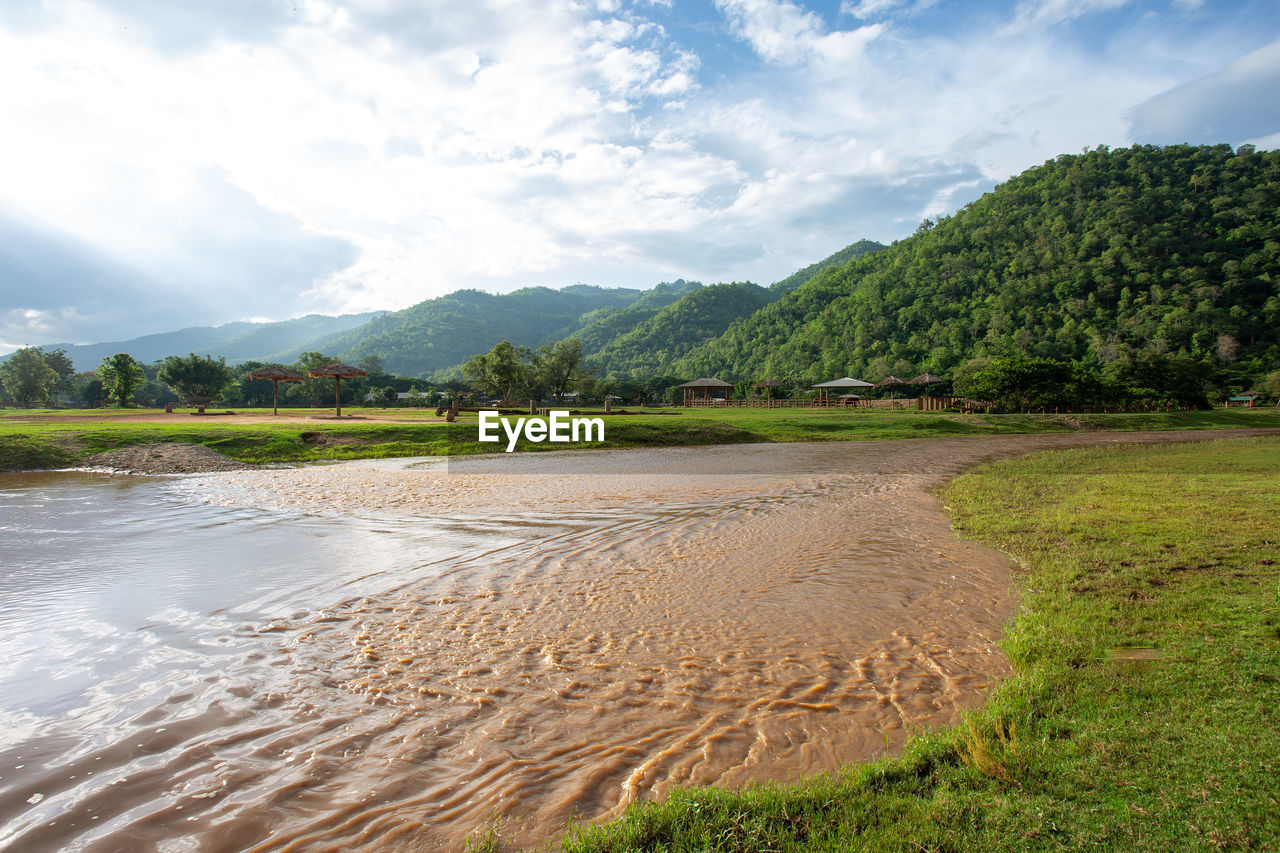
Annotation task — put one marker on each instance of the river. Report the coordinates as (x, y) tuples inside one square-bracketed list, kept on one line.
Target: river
[(388, 655)]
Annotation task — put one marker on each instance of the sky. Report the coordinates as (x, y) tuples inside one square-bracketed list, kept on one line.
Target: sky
[(165, 165)]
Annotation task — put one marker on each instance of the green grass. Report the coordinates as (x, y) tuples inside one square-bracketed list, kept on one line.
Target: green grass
[(1172, 548), (28, 440)]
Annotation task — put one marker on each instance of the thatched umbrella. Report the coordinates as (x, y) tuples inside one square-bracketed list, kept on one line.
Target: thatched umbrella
[(338, 371), (769, 386), (276, 374), (890, 382), (925, 379)]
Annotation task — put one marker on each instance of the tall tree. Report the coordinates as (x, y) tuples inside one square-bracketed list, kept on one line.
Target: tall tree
[(561, 366), (60, 364), (504, 370), (120, 376), (1271, 385), (26, 377), (195, 375)]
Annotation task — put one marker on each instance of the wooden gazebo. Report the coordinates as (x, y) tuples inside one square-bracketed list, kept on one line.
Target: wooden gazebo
[(703, 389), (844, 383), (276, 374), (338, 371)]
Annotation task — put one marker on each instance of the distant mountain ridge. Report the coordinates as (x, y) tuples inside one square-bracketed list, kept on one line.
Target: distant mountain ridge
[(443, 332), (625, 332), (238, 341)]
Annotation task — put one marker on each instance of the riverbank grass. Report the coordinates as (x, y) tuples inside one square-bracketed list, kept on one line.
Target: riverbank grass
[(39, 439), (1144, 712)]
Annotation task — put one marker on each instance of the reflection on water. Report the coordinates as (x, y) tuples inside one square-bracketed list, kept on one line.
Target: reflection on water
[(372, 657), (129, 611), (101, 571)]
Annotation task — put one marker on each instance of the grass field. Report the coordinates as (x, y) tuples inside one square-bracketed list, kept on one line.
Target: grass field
[(1144, 713), (31, 439)]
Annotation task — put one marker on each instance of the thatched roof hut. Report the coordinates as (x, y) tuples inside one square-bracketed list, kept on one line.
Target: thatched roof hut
[(338, 371), (767, 387), (890, 382), (276, 374), (703, 389)]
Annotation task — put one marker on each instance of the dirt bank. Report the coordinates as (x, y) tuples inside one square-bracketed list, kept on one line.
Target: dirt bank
[(169, 458)]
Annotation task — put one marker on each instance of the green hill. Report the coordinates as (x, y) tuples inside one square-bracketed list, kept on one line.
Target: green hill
[(240, 341), (443, 332), (1119, 259), (596, 329), (840, 258), (696, 318)]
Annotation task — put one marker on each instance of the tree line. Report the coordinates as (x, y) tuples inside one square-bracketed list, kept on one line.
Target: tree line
[(37, 377), (513, 374)]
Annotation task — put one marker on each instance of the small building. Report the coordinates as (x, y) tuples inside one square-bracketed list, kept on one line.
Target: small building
[(1248, 399), (704, 391)]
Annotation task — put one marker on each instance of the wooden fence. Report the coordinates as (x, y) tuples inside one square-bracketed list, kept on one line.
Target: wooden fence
[(927, 404)]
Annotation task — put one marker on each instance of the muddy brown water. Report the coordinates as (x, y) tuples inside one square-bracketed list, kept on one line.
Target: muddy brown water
[(370, 656)]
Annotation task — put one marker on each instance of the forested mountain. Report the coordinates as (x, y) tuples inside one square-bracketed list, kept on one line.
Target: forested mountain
[(240, 341), (647, 335), (1138, 258), (840, 258), (443, 332), (697, 317), (598, 328)]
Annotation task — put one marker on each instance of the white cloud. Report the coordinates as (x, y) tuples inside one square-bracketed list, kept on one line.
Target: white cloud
[(304, 125), (1233, 104), (1039, 14), (373, 153), (867, 9), (785, 34)]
